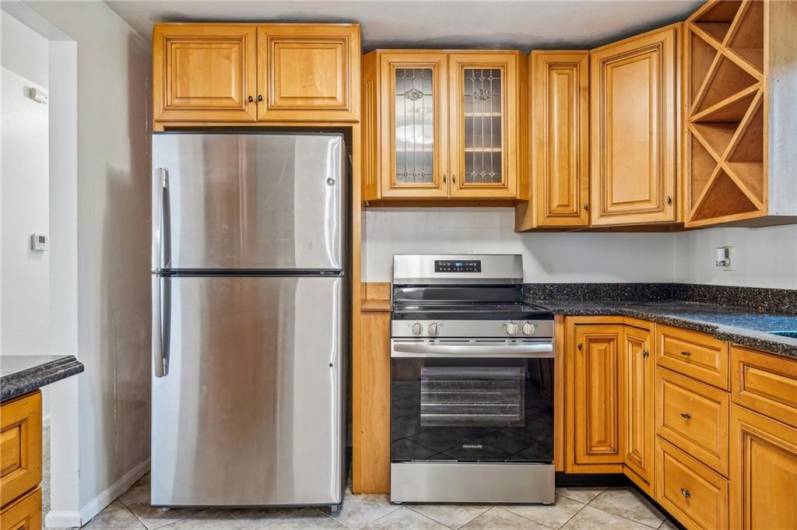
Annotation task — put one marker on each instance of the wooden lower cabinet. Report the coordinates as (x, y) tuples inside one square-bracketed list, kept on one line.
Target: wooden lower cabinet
[(371, 394), (595, 398), (763, 472), (693, 493), (23, 514), (21, 462), (636, 396)]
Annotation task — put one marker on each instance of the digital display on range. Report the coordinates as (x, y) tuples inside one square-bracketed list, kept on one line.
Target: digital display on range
[(474, 265)]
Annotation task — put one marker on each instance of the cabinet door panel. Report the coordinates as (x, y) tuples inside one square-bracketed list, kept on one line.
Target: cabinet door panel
[(308, 72), (413, 120), (560, 138), (204, 72), (596, 407), (634, 109), (484, 116), (763, 472), (637, 398)]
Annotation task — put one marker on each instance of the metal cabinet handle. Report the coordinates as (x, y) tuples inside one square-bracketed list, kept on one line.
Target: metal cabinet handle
[(686, 353), (645, 354), (586, 207), (444, 179), (686, 416), (250, 99), (260, 97), (686, 493), (454, 178), (669, 199)]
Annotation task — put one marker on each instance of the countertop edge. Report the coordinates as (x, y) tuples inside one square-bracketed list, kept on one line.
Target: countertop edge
[(743, 337), (26, 381)]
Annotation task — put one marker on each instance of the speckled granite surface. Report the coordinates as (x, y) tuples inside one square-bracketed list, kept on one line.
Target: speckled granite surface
[(744, 316), (20, 374)]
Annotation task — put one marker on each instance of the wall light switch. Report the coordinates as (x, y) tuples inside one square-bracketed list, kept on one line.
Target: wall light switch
[(38, 242), (723, 258), (38, 95)]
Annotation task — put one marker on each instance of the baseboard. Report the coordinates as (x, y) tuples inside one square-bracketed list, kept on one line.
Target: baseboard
[(106, 497), (62, 519)]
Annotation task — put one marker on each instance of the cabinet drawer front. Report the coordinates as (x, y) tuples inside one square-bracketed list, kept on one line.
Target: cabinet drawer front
[(694, 354), (20, 446), (204, 72), (694, 416), (697, 496), (24, 514), (765, 383)]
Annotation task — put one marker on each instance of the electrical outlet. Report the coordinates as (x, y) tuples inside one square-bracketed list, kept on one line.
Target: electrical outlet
[(723, 258)]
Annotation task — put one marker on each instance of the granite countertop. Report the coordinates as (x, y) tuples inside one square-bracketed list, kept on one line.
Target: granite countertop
[(21, 374), (734, 324)]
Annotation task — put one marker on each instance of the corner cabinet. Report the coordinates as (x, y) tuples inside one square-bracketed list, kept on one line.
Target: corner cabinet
[(635, 127), (235, 73), (558, 192), (442, 125)]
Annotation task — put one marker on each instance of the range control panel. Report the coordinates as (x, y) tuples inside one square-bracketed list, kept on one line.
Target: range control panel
[(458, 265)]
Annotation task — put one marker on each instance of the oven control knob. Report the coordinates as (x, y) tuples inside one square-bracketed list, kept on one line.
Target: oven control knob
[(417, 328), (529, 328), (434, 329), (512, 328)]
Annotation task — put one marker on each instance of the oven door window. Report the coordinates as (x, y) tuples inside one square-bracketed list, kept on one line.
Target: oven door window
[(472, 410)]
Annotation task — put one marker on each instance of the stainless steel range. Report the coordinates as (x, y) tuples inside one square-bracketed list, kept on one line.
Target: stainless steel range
[(471, 383)]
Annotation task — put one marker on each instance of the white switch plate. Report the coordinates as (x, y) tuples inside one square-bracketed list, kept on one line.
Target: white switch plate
[(38, 242)]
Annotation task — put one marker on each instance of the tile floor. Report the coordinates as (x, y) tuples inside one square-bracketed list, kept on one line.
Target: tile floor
[(575, 508)]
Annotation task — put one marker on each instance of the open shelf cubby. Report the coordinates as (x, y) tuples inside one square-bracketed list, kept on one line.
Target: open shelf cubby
[(725, 112)]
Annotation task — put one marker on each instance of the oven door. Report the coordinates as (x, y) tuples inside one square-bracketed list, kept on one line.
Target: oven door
[(478, 400)]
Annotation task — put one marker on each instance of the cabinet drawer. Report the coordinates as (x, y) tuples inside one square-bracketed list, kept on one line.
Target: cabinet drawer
[(20, 446), (694, 354), (765, 383), (697, 496), (694, 416), (24, 514)]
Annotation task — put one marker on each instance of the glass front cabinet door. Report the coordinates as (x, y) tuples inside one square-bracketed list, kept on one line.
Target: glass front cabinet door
[(484, 124), (414, 156), (440, 125)]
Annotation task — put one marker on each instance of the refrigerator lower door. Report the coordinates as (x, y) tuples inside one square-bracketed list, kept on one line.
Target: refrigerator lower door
[(250, 409), (248, 201)]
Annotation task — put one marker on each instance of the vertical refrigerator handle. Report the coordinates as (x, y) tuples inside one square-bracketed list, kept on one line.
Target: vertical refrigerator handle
[(161, 323), (165, 247)]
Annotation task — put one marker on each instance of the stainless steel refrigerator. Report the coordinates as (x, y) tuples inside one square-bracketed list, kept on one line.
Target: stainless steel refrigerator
[(249, 325)]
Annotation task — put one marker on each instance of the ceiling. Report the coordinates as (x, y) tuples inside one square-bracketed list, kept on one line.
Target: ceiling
[(436, 24)]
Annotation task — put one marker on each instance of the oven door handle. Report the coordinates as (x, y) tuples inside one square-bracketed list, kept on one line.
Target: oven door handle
[(539, 350)]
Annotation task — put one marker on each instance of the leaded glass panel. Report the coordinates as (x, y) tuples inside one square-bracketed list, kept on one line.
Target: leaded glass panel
[(414, 113), (483, 125)]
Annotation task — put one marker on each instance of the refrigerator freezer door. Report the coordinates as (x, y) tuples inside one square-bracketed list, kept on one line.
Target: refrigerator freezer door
[(247, 201), (250, 410)]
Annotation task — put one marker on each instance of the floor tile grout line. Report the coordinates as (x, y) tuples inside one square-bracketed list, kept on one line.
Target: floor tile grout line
[(621, 516), (583, 505)]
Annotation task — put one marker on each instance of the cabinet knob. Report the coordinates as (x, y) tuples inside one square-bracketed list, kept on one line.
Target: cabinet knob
[(580, 346), (686, 353), (669, 199), (686, 416), (260, 97), (645, 353), (586, 207), (444, 179), (686, 493), (250, 99), (454, 179)]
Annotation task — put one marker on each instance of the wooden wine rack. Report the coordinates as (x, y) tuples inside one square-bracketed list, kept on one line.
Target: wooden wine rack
[(726, 113)]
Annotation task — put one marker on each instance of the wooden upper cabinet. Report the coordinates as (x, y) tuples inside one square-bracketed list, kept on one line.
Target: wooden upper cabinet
[(559, 193), (308, 72), (484, 106), (204, 72), (234, 73), (413, 151), (636, 385), (596, 410), (441, 125), (634, 129)]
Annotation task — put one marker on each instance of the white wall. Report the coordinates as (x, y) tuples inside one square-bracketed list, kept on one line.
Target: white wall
[(24, 280), (762, 257), (113, 79), (547, 257)]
